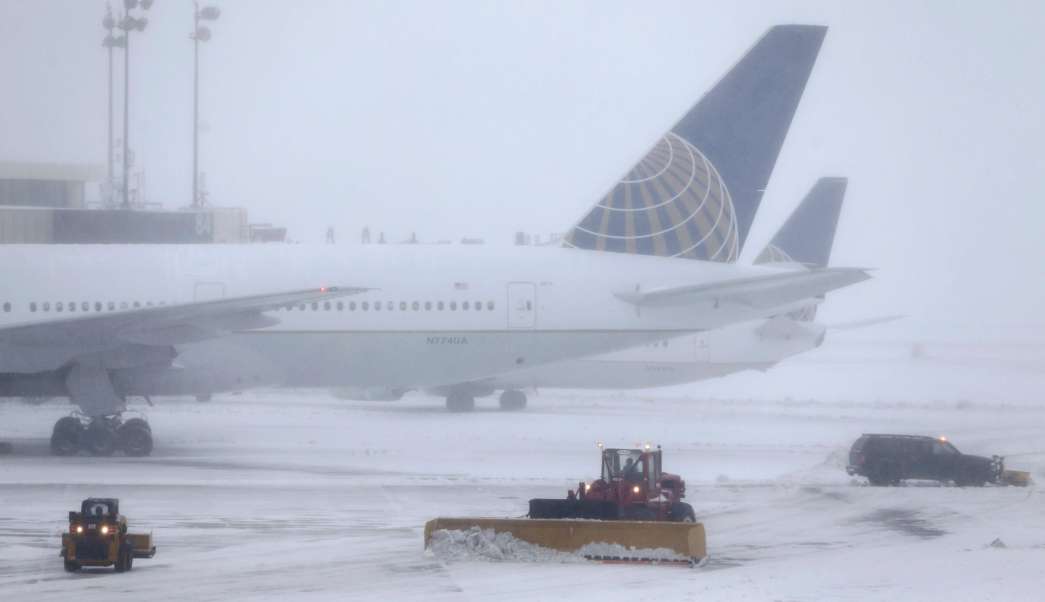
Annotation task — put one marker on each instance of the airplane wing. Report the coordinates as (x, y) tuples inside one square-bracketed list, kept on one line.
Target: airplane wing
[(773, 290), (47, 345)]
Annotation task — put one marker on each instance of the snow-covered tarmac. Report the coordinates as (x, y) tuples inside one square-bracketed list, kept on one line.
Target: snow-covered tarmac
[(298, 495)]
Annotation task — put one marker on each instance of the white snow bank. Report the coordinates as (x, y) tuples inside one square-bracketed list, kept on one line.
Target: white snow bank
[(487, 544)]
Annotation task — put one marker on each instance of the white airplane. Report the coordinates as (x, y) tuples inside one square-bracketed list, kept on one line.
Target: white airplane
[(98, 323), (805, 239)]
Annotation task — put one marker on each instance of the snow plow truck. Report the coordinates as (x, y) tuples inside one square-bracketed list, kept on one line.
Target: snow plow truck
[(632, 513)]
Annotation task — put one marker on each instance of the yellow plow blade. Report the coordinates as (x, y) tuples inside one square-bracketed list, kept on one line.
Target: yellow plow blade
[(628, 540), (1018, 478)]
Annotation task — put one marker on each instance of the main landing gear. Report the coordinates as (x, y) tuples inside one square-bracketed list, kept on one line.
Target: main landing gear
[(101, 436), (463, 401)]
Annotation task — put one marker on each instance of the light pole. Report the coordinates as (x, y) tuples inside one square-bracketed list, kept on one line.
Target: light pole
[(200, 33), (110, 42), (128, 24)]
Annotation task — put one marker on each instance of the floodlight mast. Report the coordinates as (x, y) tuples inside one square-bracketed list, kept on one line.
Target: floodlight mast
[(128, 24), (200, 33)]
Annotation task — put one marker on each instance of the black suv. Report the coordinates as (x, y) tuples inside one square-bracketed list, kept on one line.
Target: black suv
[(889, 459)]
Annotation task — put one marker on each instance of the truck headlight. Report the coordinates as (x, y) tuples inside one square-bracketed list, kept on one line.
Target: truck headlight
[(104, 529), (79, 528), (635, 489), (587, 486)]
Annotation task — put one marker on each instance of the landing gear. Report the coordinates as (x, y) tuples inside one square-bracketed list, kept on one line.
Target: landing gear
[(460, 402), (101, 436), (513, 400)]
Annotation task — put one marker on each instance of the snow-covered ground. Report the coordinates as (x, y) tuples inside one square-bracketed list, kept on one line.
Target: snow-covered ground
[(298, 495)]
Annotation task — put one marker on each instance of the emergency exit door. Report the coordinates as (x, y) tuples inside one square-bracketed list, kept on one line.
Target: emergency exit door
[(522, 305)]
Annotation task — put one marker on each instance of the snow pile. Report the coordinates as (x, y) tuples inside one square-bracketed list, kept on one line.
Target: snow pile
[(486, 544)]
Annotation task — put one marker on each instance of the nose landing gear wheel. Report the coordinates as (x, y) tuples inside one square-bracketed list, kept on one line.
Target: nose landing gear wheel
[(513, 400)]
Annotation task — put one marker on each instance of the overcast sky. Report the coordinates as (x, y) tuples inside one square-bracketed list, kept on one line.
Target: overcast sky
[(480, 119)]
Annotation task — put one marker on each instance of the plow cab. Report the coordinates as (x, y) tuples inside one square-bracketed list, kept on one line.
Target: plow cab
[(632, 486)]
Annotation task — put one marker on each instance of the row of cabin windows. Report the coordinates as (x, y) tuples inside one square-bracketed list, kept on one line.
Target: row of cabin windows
[(392, 306), (98, 306), (85, 306)]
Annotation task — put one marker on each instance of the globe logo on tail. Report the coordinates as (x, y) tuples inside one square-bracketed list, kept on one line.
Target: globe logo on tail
[(673, 203)]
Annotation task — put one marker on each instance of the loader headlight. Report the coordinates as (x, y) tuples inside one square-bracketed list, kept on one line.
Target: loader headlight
[(79, 528), (587, 486), (104, 529), (635, 489)]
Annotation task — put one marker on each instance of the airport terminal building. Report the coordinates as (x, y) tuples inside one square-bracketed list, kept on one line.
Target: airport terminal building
[(46, 203)]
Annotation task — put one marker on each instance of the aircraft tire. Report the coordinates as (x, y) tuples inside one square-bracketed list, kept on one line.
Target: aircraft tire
[(513, 400), (135, 438), (100, 438), (459, 402), (66, 436)]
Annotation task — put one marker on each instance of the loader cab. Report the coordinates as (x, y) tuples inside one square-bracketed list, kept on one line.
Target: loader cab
[(100, 507)]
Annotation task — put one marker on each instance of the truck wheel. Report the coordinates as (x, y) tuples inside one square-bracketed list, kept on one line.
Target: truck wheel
[(71, 567), (124, 558), (884, 475), (682, 512)]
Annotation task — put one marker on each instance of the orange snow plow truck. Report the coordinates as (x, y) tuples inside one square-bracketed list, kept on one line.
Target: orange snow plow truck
[(633, 513)]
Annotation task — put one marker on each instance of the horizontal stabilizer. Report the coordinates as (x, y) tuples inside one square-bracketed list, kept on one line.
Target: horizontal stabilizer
[(767, 291), (865, 322)]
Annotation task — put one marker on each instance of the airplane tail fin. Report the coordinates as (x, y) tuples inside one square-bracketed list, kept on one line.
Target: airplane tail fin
[(809, 233), (695, 194)]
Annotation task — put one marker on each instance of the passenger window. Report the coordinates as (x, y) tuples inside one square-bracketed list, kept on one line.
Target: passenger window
[(137, 305), (32, 306), (341, 306), (72, 306), (365, 305), (377, 306), (453, 306), (489, 305), (59, 306), (464, 306), (478, 306), (416, 305), (402, 306), (428, 306), (315, 305), (85, 306), (351, 306), (148, 304), (112, 305), (7, 307), (47, 306), (326, 306), (439, 306)]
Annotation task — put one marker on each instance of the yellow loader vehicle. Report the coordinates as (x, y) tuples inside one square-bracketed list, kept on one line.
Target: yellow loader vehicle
[(98, 536)]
